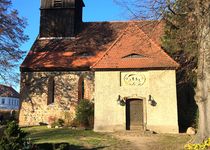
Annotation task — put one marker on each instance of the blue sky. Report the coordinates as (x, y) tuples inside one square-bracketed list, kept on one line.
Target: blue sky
[(95, 10)]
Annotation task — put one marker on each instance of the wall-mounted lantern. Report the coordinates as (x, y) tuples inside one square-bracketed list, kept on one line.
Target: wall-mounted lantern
[(151, 101), (121, 100)]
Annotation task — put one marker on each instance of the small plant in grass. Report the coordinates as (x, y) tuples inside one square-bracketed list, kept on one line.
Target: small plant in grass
[(67, 118), (60, 122), (53, 122), (14, 138), (85, 113), (203, 146)]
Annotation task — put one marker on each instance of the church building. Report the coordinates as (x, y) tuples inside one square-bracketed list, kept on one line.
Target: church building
[(120, 66)]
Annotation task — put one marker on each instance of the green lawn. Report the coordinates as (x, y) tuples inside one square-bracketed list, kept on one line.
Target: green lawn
[(77, 139), (170, 142), (50, 139)]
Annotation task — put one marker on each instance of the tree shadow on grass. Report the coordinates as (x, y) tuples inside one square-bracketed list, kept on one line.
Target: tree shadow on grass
[(62, 146)]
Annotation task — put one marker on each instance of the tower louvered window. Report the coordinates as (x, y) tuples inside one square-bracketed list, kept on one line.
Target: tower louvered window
[(58, 3)]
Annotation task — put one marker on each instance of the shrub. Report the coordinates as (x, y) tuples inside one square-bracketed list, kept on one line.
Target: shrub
[(74, 123), (85, 113), (60, 122), (53, 121), (68, 118), (8, 116), (14, 138), (54, 124)]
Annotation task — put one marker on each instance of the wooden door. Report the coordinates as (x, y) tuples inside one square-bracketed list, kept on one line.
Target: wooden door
[(134, 114)]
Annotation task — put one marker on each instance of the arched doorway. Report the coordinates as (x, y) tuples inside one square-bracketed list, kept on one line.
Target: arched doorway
[(134, 114)]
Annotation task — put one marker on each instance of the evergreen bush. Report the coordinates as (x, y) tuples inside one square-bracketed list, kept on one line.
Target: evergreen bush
[(14, 138), (85, 113)]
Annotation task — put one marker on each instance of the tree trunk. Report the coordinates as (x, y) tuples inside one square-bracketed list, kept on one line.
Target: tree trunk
[(202, 96)]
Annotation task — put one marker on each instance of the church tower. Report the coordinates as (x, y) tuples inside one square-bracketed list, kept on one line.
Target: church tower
[(60, 18)]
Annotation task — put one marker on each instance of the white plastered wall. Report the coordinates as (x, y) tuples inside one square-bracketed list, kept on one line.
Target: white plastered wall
[(160, 84)]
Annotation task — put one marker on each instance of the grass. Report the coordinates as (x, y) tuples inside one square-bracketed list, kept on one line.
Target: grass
[(170, 142), (48, 139), (77, 139)]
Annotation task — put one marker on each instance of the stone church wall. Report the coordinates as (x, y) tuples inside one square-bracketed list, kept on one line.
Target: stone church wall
[(34, 95)]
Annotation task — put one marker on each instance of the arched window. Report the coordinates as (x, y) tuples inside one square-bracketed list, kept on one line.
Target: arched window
[(51, 90), (81, 88)]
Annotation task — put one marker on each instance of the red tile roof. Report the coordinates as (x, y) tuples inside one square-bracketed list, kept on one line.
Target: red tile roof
[(133, 41), (87, 47), (7, 91)]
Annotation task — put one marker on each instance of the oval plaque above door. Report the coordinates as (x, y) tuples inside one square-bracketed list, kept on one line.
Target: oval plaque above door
[(134, 79)]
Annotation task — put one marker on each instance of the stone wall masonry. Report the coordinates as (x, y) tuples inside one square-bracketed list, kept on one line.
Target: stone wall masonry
[(34, 95)]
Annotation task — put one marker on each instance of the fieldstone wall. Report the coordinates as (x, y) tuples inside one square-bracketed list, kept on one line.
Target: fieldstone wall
[(34, 95)]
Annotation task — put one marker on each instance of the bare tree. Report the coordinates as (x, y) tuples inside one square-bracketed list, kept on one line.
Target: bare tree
[(202, 13), (198, 11), (11, 37)]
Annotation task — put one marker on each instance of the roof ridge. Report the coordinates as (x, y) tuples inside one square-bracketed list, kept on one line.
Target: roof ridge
[(158, 46), (130, 23), (113, 44)]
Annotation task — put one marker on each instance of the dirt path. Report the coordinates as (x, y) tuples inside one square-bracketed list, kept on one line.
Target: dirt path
[(151, 141), (139, 141)]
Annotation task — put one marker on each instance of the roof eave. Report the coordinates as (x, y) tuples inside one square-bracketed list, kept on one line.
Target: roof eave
[(52, 69), (134, 69)]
